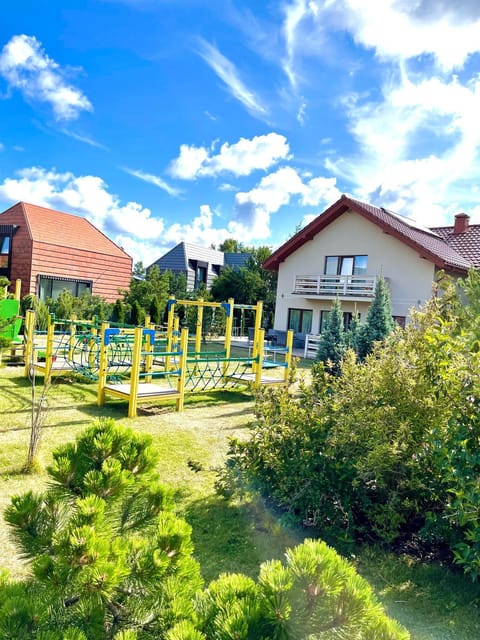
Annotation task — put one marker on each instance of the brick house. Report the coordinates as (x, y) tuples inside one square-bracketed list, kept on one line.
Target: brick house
[(51, 251)]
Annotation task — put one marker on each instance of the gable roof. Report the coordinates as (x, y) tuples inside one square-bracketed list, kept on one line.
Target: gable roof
[(429, 244), (177, 258), (65, 230)]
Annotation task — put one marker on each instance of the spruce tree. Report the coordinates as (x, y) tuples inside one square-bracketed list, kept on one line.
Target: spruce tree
[(379, 322), (331, 346)]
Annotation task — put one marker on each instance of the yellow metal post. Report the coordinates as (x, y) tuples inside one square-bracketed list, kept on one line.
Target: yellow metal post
[(135, 372), (228, 334), (183, 369), (198, 331), (258, 324), (258, 365), (149, 348), (288, 355), (18, 288), (103, 365), (28, 337), (71, 346), (49, 350)]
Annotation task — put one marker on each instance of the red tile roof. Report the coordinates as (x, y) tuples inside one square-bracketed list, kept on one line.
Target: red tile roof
[(467, 243), (66, 230), (429, 244)]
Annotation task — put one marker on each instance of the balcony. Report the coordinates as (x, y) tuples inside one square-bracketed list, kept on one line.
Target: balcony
[(326, 286)]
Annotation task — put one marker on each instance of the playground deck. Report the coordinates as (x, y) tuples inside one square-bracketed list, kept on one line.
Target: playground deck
[(145, 390)]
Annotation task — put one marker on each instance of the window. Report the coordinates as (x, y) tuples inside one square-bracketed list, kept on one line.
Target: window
[(300, 320), (347, 319), (346, 265), (200, 277), (51, 287), (400, 320), (5, 244)]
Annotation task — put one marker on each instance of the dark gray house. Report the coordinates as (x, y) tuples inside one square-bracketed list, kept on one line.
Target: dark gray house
[(200, 265)]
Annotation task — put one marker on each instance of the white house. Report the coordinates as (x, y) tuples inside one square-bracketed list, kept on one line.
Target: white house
[(345, 249)]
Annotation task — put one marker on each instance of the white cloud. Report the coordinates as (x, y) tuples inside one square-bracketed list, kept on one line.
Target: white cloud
[(419, 148), (85, 139), (129, 224), (87, 196), (240, 158), (228, 73), (254, 208), (394, 29), (25, 66), (155, 180)]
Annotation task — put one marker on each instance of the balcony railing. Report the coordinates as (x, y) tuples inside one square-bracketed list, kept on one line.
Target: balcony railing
[(331, 286)]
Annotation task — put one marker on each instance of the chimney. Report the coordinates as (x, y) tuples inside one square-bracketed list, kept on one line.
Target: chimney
[(461, 223)]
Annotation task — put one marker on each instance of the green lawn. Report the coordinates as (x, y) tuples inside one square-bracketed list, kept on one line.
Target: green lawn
[(433, 602)]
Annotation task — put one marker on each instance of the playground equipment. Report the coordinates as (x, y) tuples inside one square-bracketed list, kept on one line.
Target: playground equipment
[(146, 363), (10, 319), (144, 356), (160, 374), (67, 346)]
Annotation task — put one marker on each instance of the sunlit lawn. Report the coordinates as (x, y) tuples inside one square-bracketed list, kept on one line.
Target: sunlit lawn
[(433, 602)]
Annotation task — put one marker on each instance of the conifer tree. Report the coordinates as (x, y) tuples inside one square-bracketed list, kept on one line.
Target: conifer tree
[(379, 322), (118, 312), (155, 311), (136, 314), (109, 556), (331, 346), (351, 335)]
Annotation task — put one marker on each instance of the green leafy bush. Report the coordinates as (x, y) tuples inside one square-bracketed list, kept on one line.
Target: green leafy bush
[(388, 450)]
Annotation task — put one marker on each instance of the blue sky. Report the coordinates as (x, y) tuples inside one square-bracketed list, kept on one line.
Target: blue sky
[(171, 120)]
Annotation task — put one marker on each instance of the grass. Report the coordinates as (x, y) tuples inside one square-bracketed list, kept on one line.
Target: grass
[(433, 602)]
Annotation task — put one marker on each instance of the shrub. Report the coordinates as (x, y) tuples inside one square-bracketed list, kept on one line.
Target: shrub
[(107, 552)]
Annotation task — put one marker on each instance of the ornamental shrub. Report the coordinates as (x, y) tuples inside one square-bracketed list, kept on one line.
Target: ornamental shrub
[(108, 555), (386, 451)]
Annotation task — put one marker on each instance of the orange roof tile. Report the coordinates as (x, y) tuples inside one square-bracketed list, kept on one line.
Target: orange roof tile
[(67, 230)]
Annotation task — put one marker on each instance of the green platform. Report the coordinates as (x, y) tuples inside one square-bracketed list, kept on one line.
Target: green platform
[(9, 311)]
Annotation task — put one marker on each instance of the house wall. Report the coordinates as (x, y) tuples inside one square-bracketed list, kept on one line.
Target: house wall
[(177, 261), (22, 246), (409, 276), (107, 273), (29, 259)]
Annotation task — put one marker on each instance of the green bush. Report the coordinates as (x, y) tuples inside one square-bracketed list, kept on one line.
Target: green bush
[(389, 449)]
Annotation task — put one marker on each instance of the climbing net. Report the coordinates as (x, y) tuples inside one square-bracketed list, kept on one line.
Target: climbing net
[(213, 372)]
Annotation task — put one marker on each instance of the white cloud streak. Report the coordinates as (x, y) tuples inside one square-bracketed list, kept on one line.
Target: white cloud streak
[(228, 73), (27, 68), (153, 179)]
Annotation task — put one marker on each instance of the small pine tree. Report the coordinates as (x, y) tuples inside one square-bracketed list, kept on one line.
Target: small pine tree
[(331, 346), (108, 553), (118, 312), (379, 322), (155, 311)]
